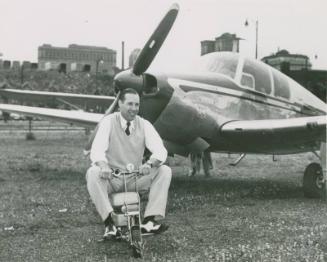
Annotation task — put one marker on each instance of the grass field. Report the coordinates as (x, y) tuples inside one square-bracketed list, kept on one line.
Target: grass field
[(253, 212)]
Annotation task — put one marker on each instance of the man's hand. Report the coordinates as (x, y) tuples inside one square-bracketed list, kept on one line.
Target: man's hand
[(145, 169), (106, 171)]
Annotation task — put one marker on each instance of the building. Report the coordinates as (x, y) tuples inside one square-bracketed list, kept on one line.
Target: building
[(284, 61), (91, 59), (298, 67), (133, 56), (26, 64), (34, 66), (6, 64), (225, 42), (15, 65)]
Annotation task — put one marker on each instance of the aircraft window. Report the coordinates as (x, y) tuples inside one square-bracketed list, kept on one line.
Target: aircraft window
[(247, 80), (225, 64), (282, 88), (261, 75)]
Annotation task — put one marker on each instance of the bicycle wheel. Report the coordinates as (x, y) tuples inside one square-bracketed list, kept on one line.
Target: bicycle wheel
[(137, 242)]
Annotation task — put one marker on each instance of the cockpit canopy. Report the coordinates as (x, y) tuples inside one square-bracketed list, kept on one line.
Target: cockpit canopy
[(257, 76)]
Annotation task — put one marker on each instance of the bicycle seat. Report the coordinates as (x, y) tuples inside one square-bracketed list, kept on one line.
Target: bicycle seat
[(124, 198)]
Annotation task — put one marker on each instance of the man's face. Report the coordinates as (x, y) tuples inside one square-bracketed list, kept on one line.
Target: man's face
[(129, 108)]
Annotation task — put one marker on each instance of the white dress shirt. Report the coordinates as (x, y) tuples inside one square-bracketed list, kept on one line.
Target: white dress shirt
[(153, 141)]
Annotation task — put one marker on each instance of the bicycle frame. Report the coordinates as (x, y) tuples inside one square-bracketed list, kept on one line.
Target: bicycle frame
[(127, 216)]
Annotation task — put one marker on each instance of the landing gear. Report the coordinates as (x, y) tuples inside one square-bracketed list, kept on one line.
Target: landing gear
[(313, 181), (30, 135)]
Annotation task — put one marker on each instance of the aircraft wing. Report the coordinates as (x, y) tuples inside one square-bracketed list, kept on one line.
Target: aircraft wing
[(254, 136), (80, 118), (275, 135), (52, 98)]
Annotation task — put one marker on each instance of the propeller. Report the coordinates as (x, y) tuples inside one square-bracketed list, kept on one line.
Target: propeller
[(131, 78), (156, 40)]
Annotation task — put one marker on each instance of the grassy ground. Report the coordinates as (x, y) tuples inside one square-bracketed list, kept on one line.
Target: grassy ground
[(253, 212)]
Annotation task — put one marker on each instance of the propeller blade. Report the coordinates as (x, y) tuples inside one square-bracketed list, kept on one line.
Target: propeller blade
[(156, 40), (112, 107)]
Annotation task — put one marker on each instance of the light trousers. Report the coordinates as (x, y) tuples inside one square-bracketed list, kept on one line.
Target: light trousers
[(157, 182)]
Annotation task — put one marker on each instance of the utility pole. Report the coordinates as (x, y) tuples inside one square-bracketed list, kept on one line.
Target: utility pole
[(256, 35), (99, 60), (22, 74), (122, 55)]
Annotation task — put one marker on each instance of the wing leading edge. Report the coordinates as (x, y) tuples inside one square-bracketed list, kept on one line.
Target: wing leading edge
[(69, 116), (275, 135), (79, 100)]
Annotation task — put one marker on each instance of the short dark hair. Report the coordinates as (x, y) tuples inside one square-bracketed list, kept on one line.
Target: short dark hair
[(127, 91)]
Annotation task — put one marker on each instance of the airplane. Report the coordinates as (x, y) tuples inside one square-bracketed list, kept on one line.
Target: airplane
[(226, 103)]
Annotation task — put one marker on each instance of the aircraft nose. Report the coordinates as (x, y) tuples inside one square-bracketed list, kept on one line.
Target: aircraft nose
[(127, 79), (154, 92)]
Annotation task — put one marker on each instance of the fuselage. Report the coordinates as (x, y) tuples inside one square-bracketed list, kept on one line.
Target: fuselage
[(222, 87)]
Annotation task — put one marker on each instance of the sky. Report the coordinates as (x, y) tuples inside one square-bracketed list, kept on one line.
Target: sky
[(296, 25)]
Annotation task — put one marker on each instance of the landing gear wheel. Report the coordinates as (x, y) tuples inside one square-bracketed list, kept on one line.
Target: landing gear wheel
[(137, 243), (313, 181)]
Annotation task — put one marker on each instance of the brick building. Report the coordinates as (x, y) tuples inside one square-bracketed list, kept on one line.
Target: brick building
[(91, 59)]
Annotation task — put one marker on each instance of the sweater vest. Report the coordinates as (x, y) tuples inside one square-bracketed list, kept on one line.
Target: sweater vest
[(124, 149)]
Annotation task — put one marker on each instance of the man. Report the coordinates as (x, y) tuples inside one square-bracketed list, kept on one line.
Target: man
[(121, 139)]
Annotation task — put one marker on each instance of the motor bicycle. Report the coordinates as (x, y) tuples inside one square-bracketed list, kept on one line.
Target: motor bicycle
[(127, 213)]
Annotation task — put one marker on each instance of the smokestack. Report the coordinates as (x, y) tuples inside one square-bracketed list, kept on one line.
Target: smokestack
[(122, 55)]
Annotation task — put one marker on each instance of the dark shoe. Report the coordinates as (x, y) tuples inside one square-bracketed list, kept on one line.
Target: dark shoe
[(192, 173), (110, 231), (153, 227)]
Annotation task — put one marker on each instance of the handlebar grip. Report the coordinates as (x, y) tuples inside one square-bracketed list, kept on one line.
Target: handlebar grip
[(118, 172)]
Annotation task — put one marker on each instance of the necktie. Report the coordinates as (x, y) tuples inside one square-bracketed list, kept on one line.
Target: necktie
[(127, 128)]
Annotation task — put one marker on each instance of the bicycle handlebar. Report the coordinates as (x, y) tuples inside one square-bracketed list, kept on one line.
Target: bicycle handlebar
[(118, 173)]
